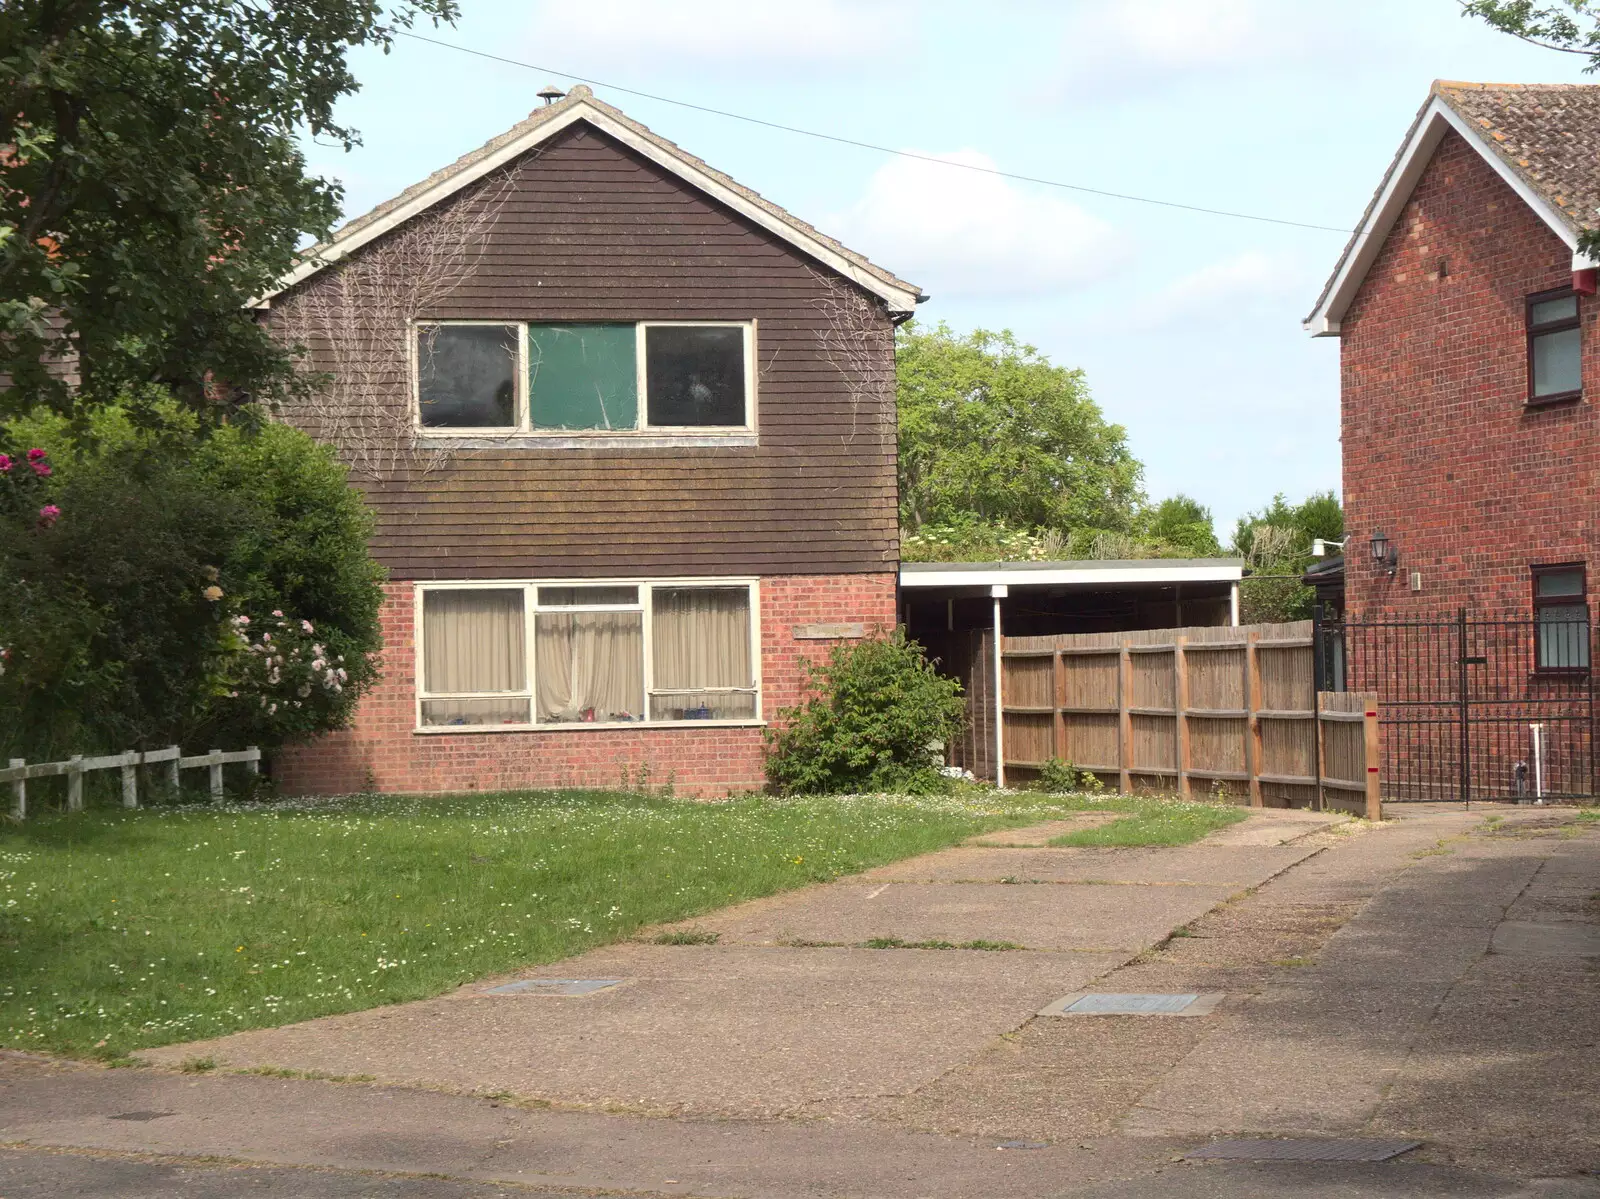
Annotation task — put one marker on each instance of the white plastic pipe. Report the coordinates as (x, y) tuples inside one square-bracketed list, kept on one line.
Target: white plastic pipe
[(1538, 761), (998, 591)]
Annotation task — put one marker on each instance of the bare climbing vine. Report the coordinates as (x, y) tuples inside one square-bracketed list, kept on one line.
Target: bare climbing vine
[(354, 318), (857, 341)]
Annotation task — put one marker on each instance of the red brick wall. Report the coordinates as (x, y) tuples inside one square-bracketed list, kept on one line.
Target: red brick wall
[(1439, 451), (382, 752)]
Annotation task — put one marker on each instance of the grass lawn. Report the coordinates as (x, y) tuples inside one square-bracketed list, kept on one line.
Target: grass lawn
[(1156, 822), (125, 929)]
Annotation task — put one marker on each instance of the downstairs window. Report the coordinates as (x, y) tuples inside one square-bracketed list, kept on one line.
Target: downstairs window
[(602, 654), (1561, 619)]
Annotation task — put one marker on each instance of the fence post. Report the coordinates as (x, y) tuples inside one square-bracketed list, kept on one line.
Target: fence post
[(1058, 727), (1254, 752), (1322, 747), (216, 774), (1125, 720), (174, 774), (75, 785), (1180, 714), (1369, 728), (253, 764), (130, 779), (19, 793)]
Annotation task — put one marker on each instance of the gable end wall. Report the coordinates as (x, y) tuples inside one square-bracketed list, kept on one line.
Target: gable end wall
[(1440, 451), (590, 231)]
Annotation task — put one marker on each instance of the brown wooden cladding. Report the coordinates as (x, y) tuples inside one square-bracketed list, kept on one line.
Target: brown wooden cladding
[(589, 231)]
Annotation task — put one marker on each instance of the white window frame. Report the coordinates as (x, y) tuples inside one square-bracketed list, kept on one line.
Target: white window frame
[(523, 431), (749, 425), (531, 609), (519, 381)]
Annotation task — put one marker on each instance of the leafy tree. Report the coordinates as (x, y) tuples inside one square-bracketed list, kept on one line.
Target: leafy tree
[(150, 185), (1181, 525), (1276, 541), (1567, 26), (119, 617), (991, 430), (876, 717)]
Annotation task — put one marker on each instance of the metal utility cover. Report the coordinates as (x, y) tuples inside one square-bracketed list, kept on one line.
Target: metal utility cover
[(554, 986), (1303, 1151), (1094, 1003)]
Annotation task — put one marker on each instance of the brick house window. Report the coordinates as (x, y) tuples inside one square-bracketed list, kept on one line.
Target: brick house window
[(1561, 618), (667, 378), (601, 654), (1555, 348)]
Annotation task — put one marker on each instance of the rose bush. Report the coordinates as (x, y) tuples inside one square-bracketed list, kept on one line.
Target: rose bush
[(139, 565)]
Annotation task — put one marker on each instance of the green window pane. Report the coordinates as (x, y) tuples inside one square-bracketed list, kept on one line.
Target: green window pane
[(582, 377)]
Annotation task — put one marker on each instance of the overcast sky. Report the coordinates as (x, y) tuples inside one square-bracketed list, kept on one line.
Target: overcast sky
[(1187, 326)]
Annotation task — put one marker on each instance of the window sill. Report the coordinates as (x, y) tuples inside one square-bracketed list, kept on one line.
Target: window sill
[(585, 726), (651, 440), (1564, 397)]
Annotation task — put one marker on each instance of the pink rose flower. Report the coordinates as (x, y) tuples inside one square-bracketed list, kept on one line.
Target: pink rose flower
[(41, 469), (48, 515), (36, 455), (5, 463)]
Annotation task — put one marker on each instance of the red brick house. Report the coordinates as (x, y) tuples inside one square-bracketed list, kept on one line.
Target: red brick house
[(1469, 375), (1468, 366), (629, 432)]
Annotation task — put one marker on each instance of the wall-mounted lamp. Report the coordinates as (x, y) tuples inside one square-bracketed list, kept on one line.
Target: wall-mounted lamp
[(1384, 556)]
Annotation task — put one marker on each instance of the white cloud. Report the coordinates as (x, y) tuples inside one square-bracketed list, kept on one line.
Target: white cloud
[(820, 36), (967, 232), (1249, 285), (1126, 45)]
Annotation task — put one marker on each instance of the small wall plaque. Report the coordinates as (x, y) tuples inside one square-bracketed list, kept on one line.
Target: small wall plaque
[(828, 632)]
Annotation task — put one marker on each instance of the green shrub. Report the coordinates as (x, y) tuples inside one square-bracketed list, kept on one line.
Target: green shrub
[(121, 618), (876, 717), (1060, 777)]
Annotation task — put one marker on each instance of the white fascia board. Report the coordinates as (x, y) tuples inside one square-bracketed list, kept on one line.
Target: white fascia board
[(1436, 119), (897, 299), (1069, 576)]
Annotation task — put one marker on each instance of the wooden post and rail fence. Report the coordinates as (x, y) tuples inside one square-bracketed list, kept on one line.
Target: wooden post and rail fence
[(1193, 711), (20, 771)]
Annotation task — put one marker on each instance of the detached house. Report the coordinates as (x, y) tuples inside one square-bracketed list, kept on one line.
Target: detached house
[(1470, 372), (629, 432)]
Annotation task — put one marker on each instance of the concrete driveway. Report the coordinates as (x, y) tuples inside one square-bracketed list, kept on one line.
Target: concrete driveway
[(1432, 979)]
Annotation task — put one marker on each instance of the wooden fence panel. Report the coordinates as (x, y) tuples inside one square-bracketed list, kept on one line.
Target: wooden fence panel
[(1190, 710)]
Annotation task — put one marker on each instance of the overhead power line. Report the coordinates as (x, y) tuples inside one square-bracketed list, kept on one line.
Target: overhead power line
[(850, 141)]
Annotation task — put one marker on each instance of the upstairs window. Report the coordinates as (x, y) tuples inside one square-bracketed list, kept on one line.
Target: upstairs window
[(1561, 618), (1555, 348), (647, 377), (467, 376)]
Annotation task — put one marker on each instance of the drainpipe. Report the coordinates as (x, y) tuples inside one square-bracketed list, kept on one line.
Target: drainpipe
[(1233, 604), (998, 592)]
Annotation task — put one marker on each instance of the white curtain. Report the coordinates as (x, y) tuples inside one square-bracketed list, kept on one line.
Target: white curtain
[(701, 645), (589, 666), (473, 640)]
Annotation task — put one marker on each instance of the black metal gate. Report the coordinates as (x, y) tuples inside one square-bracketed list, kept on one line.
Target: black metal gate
[(1472, 709)]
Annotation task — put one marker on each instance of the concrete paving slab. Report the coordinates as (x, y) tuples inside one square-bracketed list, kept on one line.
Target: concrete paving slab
[(1080, 919), (1561, 940), (1274, 826), (1043, 834), (1229, 868), (1316, 1053), (710, 1029), (392, 1130)]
